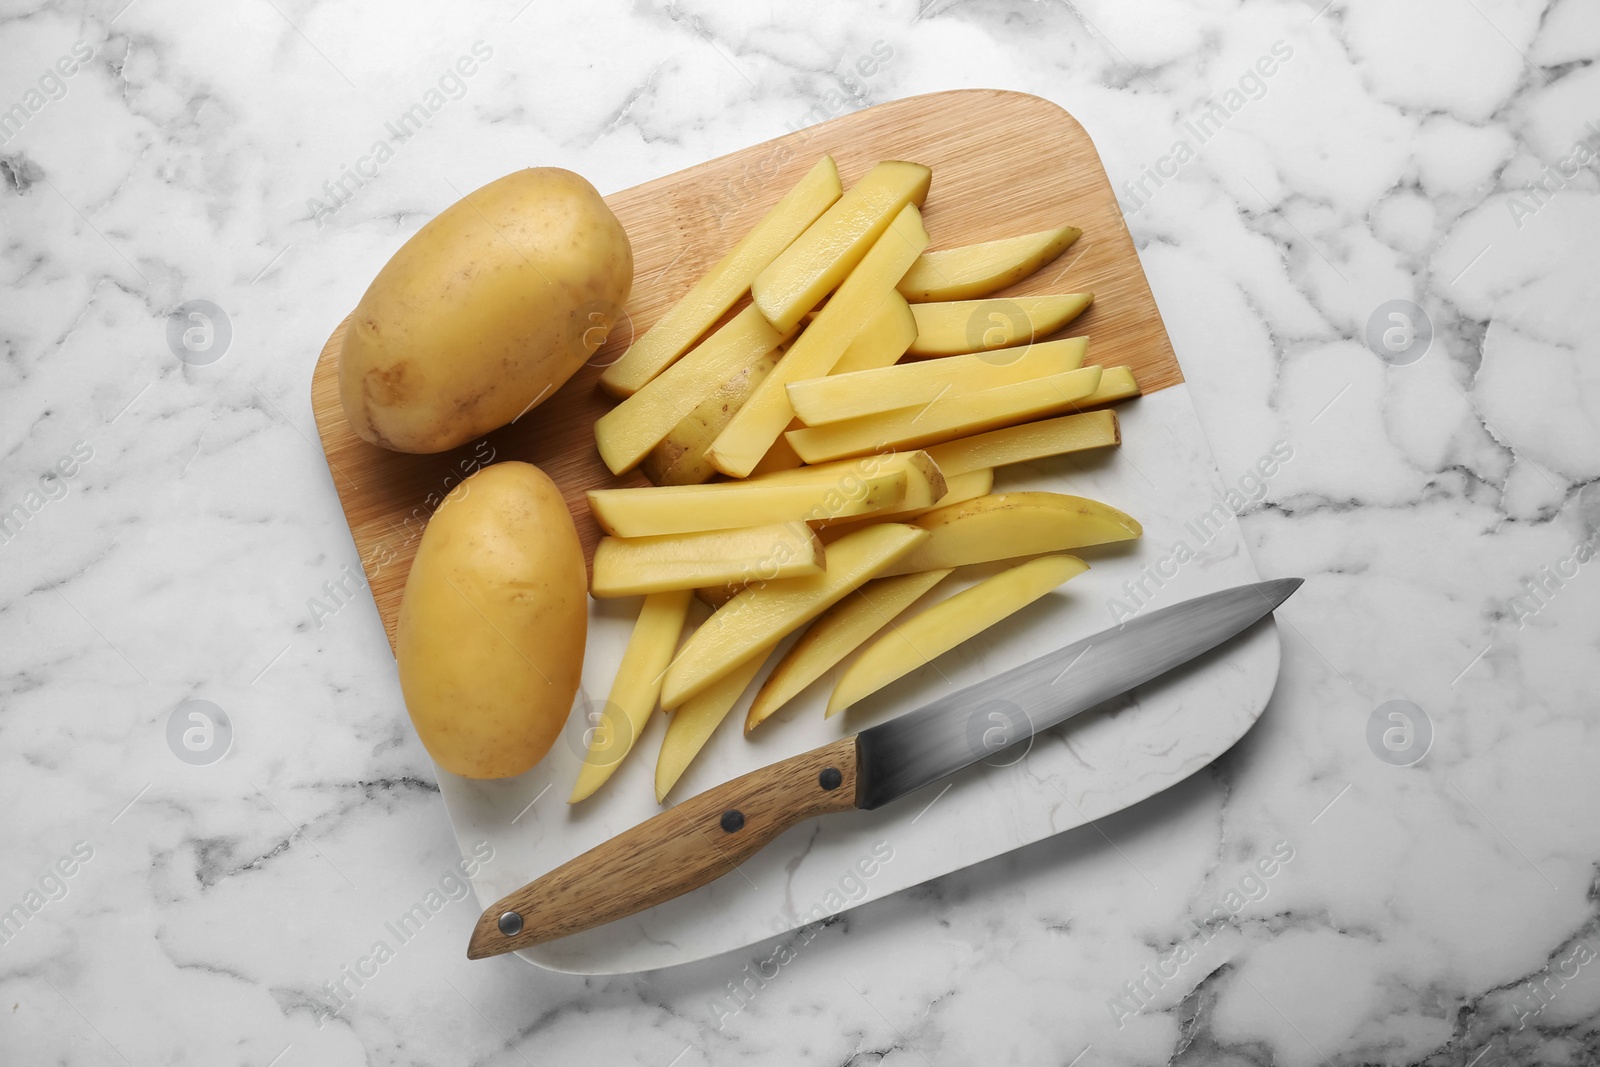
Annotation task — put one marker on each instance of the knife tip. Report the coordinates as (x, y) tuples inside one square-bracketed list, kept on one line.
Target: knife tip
[(1279, 590)]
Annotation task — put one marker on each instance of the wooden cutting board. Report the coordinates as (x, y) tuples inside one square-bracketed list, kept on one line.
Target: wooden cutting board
[(1003, 164)]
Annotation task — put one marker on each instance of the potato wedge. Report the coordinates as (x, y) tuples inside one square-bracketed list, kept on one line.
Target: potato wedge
[(837, 632), (634, 690), (680, 457), (1006, 525), (760, 616), (1032, 440), (822, 257), (631, 429), (742, 443), (945, 419), (710, 298), (953, 327), (918, 640), (883, 340), (677, 509), (691, 726), (978, 270), (846, 396), (631, 566)]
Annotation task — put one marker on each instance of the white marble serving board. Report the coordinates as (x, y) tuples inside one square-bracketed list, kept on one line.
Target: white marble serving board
[(1164, 474)]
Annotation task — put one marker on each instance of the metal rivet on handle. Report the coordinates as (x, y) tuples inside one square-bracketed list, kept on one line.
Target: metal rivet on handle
[(510, 924), (830, 778), (733, 820)]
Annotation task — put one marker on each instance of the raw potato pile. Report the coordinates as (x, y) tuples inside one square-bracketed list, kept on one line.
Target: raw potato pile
[(855, 411)]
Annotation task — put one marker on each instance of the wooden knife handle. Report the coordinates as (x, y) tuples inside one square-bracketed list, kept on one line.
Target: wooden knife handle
[(683, 848)]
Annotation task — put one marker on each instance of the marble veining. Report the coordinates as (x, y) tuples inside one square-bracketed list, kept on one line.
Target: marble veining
[(171, 530)]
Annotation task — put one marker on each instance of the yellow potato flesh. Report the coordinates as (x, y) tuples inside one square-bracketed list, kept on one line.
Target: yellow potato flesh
[(680, 457), (820, 259), (1116, 383), (484, 312), (634, 690), (746, 439), (883, 340), (631, 429), (978, 270), (953, 327), (837, 632), (715, 596), (926, 488), (1007, 525), (944, 419), (710, 298), (916, 641), (692, 724), (490, 634), (677, 509), (630, 566), (967, 485), (760, 616), (1033, 440), (780, 457), (844, 396), (925, 485)]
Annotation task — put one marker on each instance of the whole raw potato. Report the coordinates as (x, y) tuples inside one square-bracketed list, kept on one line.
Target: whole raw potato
[(484, 312), (491, 630)]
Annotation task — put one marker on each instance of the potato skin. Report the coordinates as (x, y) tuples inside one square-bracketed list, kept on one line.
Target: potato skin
[(489, 308), (492, 624)]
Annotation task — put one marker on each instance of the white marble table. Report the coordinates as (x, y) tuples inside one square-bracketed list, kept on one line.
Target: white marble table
[(172, 536)]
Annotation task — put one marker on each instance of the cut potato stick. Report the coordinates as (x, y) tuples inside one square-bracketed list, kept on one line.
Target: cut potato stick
[(1032, 440), (926, 488), (760, 616), (967, 486), (845, 396), (676, 509), (919, 639), (780, 457), (980, 269), (883, 340), (945, 419), (1116, 383), (634, 690), (710, 298), (631, 429), (925, 485), (953, 327), (830, 249), (691, 726), (1007, 525), (680, 457), (742, 443), (838, 632), (631, 566)]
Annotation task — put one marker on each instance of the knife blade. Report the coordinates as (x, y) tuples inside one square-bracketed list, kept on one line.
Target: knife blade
[(709, 835)]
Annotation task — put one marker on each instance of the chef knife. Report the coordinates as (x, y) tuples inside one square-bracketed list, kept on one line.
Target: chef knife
[(709, 835)]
